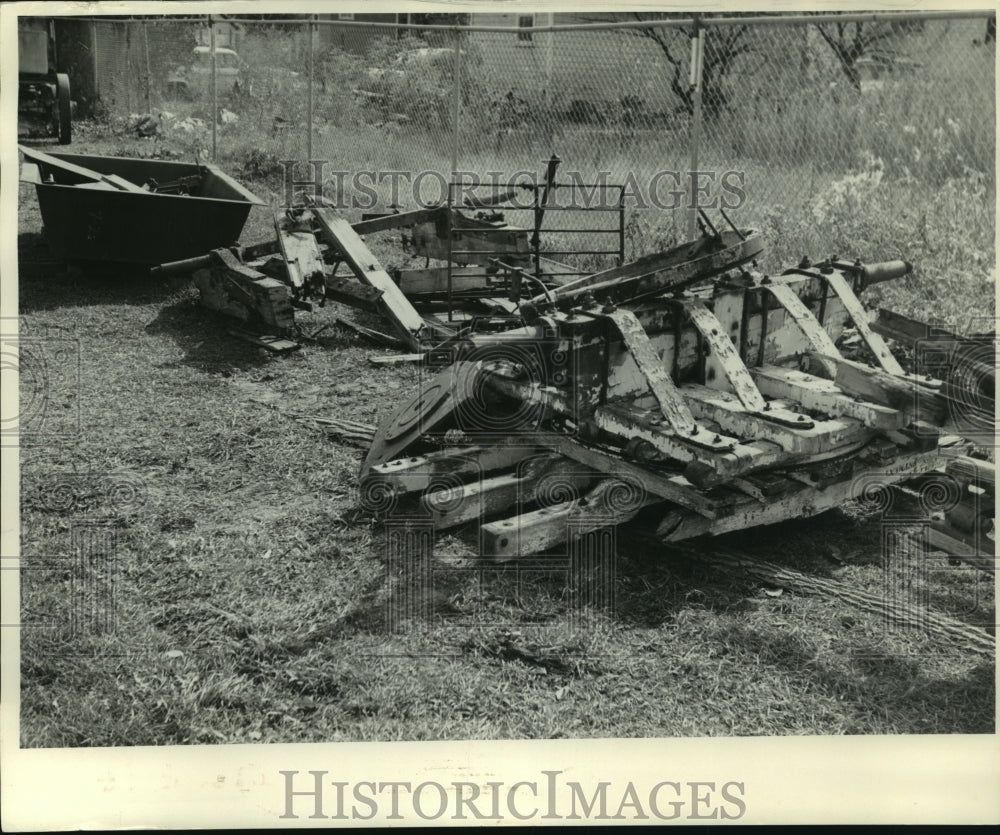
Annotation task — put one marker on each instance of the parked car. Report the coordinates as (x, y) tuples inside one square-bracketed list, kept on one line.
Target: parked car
[(195, 79), (43, 93)]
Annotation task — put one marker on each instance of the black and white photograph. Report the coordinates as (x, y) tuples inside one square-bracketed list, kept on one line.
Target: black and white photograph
[(494, 413)]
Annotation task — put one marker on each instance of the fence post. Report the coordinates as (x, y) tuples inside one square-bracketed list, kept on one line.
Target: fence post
[(149, 73), (697, 52), (457, 102), (310, 29), (215, 101)]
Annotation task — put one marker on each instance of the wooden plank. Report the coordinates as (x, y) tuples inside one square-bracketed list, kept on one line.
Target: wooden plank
[(877, 386), (473, 241), (662, 271), (819, 394), (806, 501), (433, 282), (366, 267), (122, 184), (540, 530), (274, 344), (243, 293), (876, 344), (529, 484), (301, 253), (76, 173), (395, 220), (651, 367), (812, 438), (676, 488), (414, 474), (396, 359)]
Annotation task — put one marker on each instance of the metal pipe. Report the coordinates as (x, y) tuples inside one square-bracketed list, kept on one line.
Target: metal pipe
[(757, 20), (456, 106), (215, 91), (309, 90), (697, 47)]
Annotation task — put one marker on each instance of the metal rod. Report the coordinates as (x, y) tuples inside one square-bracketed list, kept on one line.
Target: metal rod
[(149, 72), (215, 91), (719, 22), (696, 69), (451, 253), (457, 105), (733, 225), (309, 89), (621, 226)]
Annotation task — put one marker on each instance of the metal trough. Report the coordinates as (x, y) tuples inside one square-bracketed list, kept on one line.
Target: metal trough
[(111, 218)]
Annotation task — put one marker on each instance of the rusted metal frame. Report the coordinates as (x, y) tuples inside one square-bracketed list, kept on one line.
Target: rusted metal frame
[(651, 367), (876, 344), (816, 336), (656, 274), (710, 331)]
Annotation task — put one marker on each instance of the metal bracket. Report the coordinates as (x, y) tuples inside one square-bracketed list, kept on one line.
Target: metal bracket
[(856, 311)]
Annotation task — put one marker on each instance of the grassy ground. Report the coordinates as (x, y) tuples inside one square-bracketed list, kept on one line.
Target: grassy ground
[(251, 599)]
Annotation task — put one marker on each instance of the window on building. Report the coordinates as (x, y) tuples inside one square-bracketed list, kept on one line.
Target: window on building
[(346, 16), (525, 22)]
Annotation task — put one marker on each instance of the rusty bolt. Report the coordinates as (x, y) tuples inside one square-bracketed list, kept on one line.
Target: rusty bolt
[(716, 440), (694, 430), (801, 418), (767, 407)]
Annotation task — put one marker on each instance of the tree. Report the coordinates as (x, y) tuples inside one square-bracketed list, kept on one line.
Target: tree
[(723, 47), (852, 40)]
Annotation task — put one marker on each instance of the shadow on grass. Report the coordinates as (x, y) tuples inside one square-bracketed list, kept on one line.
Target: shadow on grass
[(46, 282), (880, 684), (204, 338)]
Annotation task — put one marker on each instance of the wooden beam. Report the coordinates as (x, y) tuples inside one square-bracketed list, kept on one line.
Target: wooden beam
[(806, 501), (906, 394), (540, 530), (811, 439), (301, 253), (414, 474), (358, 257), (819, 394), (675, 488)]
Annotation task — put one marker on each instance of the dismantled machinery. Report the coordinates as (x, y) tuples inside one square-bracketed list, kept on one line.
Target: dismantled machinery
[(685, 386)]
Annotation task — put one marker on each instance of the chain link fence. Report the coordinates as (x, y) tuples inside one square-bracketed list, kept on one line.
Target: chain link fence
[(784, 116)]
